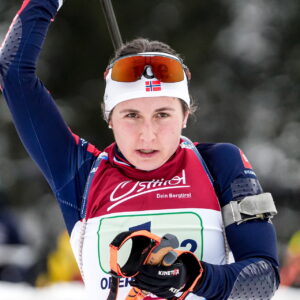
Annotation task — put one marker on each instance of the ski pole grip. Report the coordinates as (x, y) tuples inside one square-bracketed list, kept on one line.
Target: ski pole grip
[(163, 252)]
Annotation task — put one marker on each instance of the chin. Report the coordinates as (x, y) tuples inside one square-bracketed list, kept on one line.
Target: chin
[(147, 167)]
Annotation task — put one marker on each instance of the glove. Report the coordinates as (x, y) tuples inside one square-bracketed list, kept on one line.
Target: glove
[(164, 282), (167, 281)]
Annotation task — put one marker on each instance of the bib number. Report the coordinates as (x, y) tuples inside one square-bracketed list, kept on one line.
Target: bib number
[(187, 226)]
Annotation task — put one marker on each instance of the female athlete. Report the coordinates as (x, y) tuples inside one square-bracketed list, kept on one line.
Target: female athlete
[(151, 178)]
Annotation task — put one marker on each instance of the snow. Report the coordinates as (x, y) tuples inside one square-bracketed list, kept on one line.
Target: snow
[(285, 293), (75, 291), (64, 291)]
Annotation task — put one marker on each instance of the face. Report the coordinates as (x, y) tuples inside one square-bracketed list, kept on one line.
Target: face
[(147, 130)]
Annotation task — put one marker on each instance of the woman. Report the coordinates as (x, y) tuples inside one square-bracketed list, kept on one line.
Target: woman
[(151, 178)]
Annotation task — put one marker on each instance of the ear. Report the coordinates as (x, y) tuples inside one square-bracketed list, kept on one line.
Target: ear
[(185, 119), (110, 124)]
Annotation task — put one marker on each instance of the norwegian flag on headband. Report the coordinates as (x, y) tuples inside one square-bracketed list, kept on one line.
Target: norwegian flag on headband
[(152, 86)]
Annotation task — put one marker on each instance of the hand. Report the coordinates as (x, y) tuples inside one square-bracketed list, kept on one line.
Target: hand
[(164, 282)]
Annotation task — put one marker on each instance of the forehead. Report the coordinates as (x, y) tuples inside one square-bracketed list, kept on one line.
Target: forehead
[(149, 104)]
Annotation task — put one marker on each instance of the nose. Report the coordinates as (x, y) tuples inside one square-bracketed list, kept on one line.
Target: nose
[(148, 131)]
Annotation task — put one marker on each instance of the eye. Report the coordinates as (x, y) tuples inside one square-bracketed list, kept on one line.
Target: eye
[(162, 115), (132, 115)]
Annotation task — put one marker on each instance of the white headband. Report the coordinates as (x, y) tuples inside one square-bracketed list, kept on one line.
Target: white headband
[(116, 92)]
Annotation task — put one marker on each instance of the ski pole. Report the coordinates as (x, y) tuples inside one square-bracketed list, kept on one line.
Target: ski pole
[(112, 23)]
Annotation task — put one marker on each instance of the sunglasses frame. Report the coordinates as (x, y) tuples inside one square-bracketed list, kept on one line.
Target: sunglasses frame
[(151, 54)]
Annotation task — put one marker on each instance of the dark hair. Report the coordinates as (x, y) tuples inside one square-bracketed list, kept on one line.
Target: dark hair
[(144, 45)]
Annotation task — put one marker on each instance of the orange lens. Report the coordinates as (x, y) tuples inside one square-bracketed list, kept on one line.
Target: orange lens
[(166, 69), (130, 69)]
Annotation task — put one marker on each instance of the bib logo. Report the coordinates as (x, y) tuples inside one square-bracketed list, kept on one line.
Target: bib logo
[(127, 190)]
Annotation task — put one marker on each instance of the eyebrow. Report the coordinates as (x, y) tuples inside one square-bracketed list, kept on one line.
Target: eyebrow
[(131, 110)]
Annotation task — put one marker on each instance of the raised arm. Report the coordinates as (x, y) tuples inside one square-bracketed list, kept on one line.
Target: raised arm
[(58, 152)]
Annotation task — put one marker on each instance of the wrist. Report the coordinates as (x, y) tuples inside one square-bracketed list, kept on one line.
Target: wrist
[(194, 271)]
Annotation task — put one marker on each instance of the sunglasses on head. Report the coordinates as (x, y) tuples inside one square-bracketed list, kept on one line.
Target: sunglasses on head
[(165, 68)]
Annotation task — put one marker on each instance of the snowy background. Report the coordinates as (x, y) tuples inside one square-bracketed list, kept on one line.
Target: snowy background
[(75, 291)]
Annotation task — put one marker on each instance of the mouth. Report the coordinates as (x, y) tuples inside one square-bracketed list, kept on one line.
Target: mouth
[(146, 152)]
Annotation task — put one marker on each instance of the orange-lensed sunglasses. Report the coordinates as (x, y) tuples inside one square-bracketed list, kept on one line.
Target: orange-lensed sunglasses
[(166, 68)]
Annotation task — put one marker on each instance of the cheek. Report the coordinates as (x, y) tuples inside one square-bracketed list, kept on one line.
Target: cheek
[(172, 129), (170, 137), (124, 134)]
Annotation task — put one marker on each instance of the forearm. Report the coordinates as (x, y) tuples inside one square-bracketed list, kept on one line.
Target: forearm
[(35, 115), (24, 40), (254, 275), (251, 279)]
